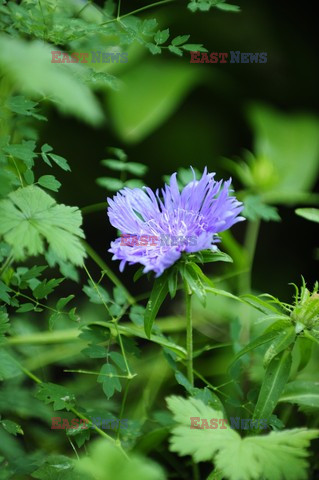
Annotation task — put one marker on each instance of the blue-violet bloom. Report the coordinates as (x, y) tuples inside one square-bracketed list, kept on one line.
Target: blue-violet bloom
[(199, 212)]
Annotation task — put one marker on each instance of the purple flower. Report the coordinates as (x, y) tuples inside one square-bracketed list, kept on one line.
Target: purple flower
[(195, 216)]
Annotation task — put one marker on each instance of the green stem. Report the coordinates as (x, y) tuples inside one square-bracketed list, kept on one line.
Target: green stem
[(96, 207), (6, 264), (108, 272), (244, 284), (162, 2), (78, 414), (58, 336), (250, 244), (189, 334)]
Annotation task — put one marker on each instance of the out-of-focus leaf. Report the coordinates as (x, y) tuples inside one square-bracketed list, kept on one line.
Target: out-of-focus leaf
[(40, 77), (291, 144), (311, 214), (148, 97)]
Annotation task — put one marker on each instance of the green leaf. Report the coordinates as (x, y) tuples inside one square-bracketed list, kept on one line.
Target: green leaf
[(56, 394), (283, 340), (208, 256), (276, 377), (23, 151), (23, 106), (60, 161), (157, 297), (202, 444), (43, 289), (32, 272), (62, 302), (59, 82), (59, 467), (9, 367), (256, 209), (119, 295), (137, 315), (180, 39), (4, 324), (112, 184), (26, 307), (118, 359), (136, 168), (50, 182), (95, 351), (154, 49), (261, 340), (161, 36), (303, 393), (172, 282), (11, 427), (194, 47), (276, 456), (30, 216), (116, 165), (175, 50), (193, 279), (227, 7), (290, 144), (311, 214), (108, 378), (157, 91), (4, 292), (105, 459), (96, 294)]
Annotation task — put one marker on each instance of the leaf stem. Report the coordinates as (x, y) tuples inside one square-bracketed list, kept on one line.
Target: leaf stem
[(189, 334), (78, 414), (162, 2), (108, 272)]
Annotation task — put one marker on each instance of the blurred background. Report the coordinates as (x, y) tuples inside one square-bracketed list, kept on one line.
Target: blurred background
[(170, 114)]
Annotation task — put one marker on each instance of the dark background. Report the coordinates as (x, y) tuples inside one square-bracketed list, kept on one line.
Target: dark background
[(210, 123)]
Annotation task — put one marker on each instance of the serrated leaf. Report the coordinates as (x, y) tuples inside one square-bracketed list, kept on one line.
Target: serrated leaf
[(43, 289), (56, 394), (96, 294), (175, 50), (276, 456), (256, 209), (62, 302), (23, 151), (161, 36), (154, 49), (30, 216), (60, 161), (108, 378), (11, 427), (49, 182)]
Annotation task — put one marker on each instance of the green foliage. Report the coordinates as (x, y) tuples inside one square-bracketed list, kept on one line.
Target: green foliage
[(105, 460), (30, 216), (274, 456)]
